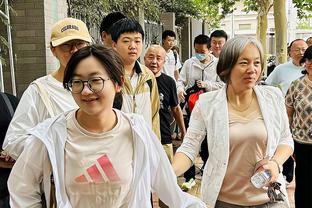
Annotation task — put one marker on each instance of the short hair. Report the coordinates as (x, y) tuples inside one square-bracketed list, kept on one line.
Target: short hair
[(107, 56), (230, 53), (167, 33), (109, 20), (292, 42), (306, 56), (125, 25), (155, 46), (202, 39), (219, 34)]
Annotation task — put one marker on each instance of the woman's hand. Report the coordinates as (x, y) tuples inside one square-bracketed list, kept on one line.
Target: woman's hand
[(273, 168), (268, 165)]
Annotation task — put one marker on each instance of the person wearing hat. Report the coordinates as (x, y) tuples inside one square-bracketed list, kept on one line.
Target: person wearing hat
[(299, 105), (45, 97)]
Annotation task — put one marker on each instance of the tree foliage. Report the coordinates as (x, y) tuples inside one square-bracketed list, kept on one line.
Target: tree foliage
[(303, 8)]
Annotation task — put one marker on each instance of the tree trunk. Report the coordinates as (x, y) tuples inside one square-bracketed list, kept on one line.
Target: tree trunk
[(262, 26), (280, 30)]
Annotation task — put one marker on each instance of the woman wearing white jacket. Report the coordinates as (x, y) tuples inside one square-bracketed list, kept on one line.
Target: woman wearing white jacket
[(99, 156), (247, 132)]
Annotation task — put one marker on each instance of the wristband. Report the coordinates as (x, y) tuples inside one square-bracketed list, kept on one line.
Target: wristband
[(278, 165)]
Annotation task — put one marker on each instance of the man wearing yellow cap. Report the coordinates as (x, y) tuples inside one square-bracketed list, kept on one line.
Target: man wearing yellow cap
[(46, 96)]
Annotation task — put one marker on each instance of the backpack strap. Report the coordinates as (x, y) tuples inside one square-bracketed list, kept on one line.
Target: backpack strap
[(45, 98), (8, 103)]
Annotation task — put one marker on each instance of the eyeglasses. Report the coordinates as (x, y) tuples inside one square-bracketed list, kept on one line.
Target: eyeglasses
[(297, 50), (67, 47), (95, 84)]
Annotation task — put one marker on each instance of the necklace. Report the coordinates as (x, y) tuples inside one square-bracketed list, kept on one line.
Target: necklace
[(241, 110)]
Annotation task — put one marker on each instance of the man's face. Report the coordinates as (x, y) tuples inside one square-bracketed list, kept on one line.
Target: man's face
[(217, 44), (129, 46), (168, 42), (297, 50), (201, 48), (107, 39), (154, 59), (64, 51)]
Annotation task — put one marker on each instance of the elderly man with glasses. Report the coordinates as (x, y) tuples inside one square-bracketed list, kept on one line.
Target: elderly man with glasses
[(284, 74)]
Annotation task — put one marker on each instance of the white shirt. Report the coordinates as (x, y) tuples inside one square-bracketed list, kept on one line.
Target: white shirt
[(171, 65), (31, 111), (193, 70), (283, 75)]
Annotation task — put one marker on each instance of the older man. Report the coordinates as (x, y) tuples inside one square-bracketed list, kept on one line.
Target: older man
[(284, 74), (155, 59)]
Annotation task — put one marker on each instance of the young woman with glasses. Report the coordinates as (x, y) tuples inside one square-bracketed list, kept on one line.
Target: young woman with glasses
[(99, 156)]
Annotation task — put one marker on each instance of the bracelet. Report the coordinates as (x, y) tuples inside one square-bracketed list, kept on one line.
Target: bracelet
[(278, 165)]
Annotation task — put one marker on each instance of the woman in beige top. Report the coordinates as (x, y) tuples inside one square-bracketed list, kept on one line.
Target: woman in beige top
[(247, 131)]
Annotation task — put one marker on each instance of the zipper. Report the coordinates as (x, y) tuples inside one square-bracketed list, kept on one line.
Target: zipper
[(134, 103)]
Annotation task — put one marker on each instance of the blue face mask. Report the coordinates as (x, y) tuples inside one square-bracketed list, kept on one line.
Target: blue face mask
[(201, 56)]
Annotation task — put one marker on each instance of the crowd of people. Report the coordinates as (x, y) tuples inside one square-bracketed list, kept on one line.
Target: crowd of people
[(98, 131)]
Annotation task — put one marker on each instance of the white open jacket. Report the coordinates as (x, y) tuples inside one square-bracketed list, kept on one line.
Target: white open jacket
[(44, 149), (210, 116)]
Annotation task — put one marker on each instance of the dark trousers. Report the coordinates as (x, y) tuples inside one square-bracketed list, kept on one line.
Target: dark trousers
[(190, 173), (303, 172), (4, 202), (288, 169)]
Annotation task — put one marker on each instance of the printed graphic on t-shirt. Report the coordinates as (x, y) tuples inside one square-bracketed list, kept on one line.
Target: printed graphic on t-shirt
[(102, 170), (161, 99)]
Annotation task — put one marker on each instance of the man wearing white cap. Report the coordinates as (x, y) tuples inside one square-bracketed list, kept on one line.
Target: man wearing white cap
[(46, 96)]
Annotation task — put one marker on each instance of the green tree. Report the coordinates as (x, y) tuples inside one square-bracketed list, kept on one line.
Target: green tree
[(304, 8)]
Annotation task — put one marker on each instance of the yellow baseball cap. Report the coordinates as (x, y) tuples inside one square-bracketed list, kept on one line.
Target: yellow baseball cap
[(69, 29)]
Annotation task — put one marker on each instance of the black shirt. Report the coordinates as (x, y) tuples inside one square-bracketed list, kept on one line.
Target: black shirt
[(168, 98), (5, 119)]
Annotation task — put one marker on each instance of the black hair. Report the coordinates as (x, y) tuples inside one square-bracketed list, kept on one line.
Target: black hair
[(219, 34), (109, 59), (125, 25), (202, 39), (109, 20), (306, 56), (167, 33)]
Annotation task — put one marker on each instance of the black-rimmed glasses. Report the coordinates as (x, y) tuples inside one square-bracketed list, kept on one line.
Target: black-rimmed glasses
[(95, 84)]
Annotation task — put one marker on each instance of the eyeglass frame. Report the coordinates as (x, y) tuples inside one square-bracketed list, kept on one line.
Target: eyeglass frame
[(69, 84), (73, 44), (298, 50)]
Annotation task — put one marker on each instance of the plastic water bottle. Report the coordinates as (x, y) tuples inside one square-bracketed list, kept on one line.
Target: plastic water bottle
[(260, 178)]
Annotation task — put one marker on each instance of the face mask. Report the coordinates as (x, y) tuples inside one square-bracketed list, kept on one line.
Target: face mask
[(201, 56)]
